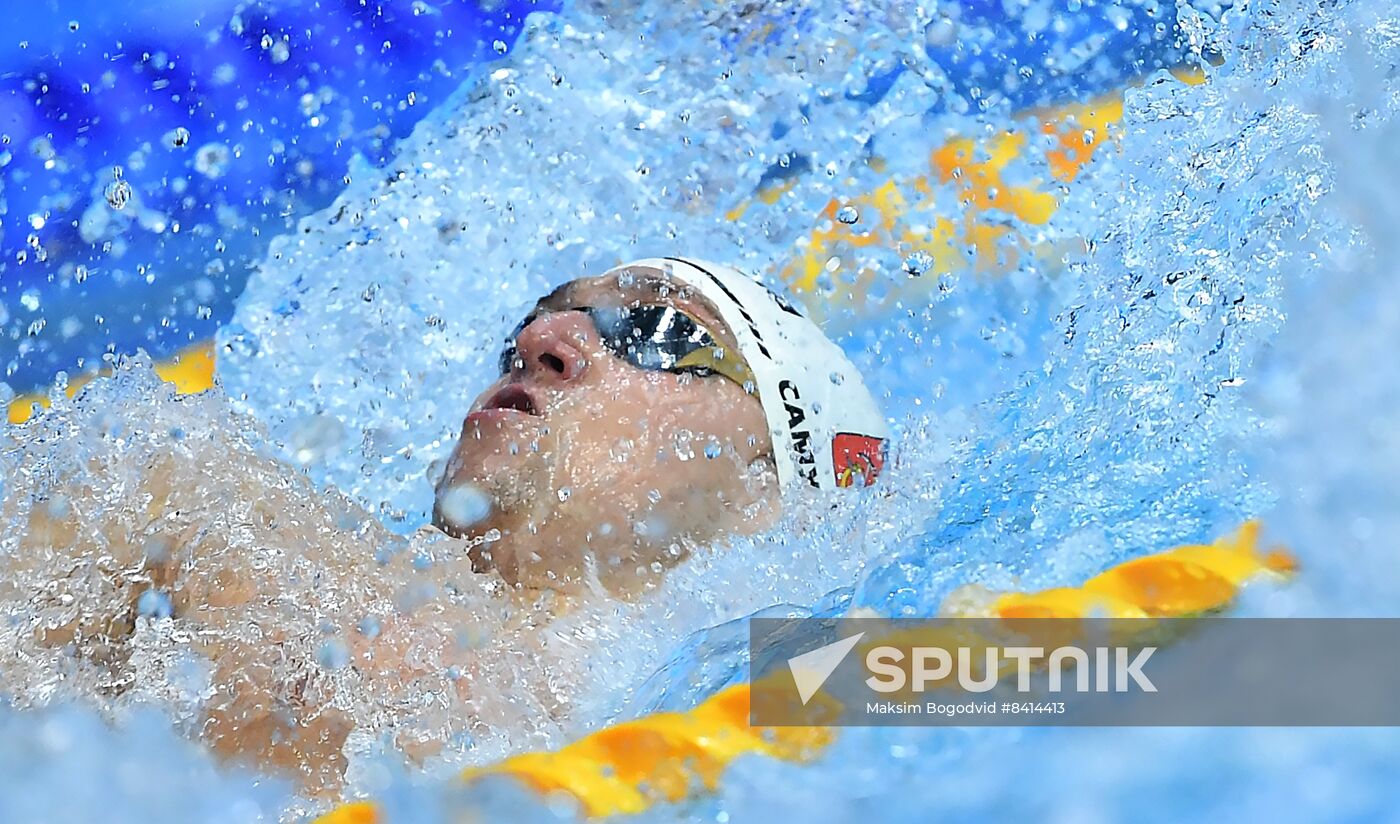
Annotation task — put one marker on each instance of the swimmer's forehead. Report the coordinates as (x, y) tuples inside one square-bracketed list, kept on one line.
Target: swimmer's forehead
[(637, 287)]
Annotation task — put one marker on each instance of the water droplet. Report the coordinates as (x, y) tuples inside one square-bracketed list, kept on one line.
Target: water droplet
[(178, 137), (59, 507), (941, 32), (154, 604), (918, 263), (118, 194), (333, 654), (369, 627), (848, 215), (499, 46), (212, 160), (712, 450), (463, 505), (315, 437)]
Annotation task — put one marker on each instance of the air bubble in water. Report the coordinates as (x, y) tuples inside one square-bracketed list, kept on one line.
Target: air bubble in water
[(178, 137), (499, 46)]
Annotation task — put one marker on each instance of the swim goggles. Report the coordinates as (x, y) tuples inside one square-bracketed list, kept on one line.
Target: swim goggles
[(655, 338)]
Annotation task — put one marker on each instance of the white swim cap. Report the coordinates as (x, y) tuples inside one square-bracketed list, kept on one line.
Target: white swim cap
[(827, 431)]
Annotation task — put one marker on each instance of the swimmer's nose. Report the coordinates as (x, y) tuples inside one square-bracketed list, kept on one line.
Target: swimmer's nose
[(552, 346)]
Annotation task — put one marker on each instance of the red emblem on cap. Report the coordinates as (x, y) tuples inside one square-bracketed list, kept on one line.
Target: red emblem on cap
[(855, 455)]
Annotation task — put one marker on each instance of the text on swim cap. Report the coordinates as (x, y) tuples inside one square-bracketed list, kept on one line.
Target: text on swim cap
[(801, 437)]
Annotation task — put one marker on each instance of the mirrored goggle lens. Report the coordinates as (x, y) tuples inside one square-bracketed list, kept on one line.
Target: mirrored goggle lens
[(650, 337), (658, 338)]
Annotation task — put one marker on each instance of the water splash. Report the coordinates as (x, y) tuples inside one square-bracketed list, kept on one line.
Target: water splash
[(1050, 423), (385, 311)]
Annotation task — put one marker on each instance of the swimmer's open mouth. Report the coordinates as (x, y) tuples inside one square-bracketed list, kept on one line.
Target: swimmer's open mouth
[(513, 396)]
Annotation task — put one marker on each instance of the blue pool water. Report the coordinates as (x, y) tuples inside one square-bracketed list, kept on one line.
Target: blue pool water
[(1201, 335)]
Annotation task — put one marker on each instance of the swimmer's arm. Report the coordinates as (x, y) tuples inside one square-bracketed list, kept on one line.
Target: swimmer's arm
[(168, 549)]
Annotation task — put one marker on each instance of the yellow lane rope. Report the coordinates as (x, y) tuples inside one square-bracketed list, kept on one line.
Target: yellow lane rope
[(191, 370), (671, 756)]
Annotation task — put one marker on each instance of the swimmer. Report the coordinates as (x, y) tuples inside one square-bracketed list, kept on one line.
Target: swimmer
[(639, 415), (657, 407)]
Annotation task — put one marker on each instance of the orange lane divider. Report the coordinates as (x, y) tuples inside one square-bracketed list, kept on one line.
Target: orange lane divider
[(191, 370), (671, 756), (1000, 208)]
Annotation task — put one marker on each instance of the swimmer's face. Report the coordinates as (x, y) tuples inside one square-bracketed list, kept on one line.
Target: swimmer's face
[(589, 465)]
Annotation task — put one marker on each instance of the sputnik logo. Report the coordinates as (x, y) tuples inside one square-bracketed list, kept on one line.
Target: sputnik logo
[(811, 669)]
